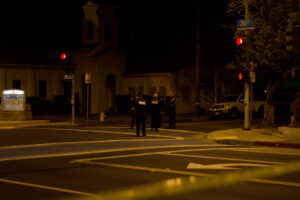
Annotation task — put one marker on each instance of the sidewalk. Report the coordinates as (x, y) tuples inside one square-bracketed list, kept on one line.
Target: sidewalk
[(276, 137), (272, 137), (81, 120)]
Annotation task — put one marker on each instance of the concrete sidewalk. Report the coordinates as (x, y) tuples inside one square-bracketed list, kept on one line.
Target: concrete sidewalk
[(30, 123), (81, 120), (276, 137)]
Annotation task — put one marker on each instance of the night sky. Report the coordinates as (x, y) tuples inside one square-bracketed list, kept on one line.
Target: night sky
[(148, 29)]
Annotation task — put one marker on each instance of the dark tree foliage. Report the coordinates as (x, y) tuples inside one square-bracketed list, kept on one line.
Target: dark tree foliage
[(267, 46)]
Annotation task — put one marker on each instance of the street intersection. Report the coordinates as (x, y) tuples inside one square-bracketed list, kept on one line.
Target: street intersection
[(96, 162)]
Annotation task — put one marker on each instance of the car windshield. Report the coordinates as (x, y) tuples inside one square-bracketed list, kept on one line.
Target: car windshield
[(230, 98)]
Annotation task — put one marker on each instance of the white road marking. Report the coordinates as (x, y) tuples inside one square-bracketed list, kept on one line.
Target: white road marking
[(133, 155), (222, 166), (112, 132), (47, 187), (93, 152), (266, 150), (171, 153), (171, 171), (79, 142), (269, 150), (223, 158), (157, 133)]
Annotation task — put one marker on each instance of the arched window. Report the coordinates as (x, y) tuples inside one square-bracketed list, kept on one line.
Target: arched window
[(90, 30)]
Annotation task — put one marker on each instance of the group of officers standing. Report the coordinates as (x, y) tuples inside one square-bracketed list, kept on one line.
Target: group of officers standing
[(158, 106)]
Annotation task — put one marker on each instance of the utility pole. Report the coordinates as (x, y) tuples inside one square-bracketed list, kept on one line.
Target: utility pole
[(215, 65), (197, 67), (73, 98), (246, 84)]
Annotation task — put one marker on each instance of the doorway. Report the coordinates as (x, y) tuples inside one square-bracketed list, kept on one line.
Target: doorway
[(110, 92)]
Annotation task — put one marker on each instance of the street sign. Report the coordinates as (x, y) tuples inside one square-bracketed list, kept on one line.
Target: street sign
[(244, 24), (68, 76)]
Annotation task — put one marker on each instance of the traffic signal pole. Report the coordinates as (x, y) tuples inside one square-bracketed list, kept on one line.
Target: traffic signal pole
[(197, 67), (246, 84), (73, 98)]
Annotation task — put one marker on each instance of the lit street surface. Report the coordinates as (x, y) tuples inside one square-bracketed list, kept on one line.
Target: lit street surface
[(82, 162)]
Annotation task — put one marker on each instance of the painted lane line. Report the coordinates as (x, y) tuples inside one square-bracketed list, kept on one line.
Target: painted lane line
[(81, 142), (269, 150), (93, 152), (273, 182), (114, 157), (179, 172), (164, 129), (181, 185), (253, 150), (8, 127), (47, 187), (151, 169), (125, 156), (224, 158), (112, 132), (223, 166)]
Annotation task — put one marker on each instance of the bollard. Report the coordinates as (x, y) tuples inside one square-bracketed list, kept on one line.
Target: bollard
[(102, 116)]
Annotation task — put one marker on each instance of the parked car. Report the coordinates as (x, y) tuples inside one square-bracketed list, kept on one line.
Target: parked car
[(233, 106)]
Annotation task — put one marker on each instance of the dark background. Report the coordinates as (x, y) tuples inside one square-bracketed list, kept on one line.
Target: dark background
[(150, 28)]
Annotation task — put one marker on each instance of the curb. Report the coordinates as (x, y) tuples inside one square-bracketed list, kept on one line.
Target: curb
[(277, 144), (259, 143)]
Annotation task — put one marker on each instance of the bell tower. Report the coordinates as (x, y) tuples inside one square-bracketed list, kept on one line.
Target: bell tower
[(100, 24), (90, 24), (108, 24)]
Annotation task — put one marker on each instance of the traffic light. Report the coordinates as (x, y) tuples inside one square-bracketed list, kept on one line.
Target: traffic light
[(67, 62), (244, 76), (241, 76), (240, 41), (63, 56)]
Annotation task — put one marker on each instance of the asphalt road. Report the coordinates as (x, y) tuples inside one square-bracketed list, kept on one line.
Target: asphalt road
[(63, 163)]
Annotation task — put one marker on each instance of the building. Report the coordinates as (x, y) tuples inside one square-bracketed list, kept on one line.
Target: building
[(39, 75), (102, 58)]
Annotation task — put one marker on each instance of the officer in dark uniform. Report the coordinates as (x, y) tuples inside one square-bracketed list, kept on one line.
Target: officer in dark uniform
[(171, 110), (163, 111), (132, 105), (155, 108), (140, 114)]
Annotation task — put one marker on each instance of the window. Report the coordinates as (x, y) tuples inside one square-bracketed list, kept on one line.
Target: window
[(107, 30), (141, 90), (90, 30), (186, 95), (131, 91), (16, 84), (152, 90), (43, 88), (163, 91)]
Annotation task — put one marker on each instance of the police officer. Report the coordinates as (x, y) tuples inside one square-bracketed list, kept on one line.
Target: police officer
[(132, 105), (171, 110), (140, 113), (155, 108)]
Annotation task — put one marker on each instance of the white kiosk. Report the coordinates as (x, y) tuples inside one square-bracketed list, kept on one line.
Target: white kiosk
[(13, 100), (13, 106)]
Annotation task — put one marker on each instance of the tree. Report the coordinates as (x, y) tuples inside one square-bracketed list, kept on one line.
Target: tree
[(267, 43)]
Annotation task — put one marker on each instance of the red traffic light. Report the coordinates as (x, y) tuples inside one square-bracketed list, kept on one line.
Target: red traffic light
[(241, 76), (63, 56), (239, 41)]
